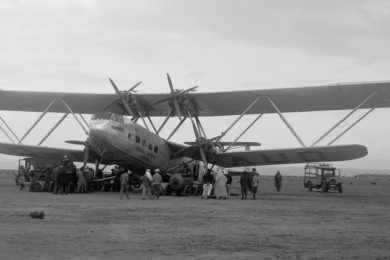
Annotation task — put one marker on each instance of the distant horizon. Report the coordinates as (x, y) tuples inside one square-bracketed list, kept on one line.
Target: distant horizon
[(74, 46), (269, 170)]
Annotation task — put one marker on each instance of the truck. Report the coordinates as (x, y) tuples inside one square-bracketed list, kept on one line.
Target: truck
[(322, 177)]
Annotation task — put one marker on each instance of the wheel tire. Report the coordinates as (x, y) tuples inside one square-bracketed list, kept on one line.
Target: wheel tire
[(324, 187), (310, 185), (168, 191), (340, 188)]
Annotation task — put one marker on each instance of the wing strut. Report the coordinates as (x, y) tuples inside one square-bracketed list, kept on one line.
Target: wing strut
[(38, 120), (9, 129), (176, 128), (53, 128), (351, 126), (245, 130), (343, 119), (237, 119), (171, 113), (6, 134), (286, 122), (75, 117), (84, 120)]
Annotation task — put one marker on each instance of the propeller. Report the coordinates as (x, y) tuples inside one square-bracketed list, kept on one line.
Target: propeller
[(121, 98), (176, 96), (136, 111), (132, 89), (174, 99)]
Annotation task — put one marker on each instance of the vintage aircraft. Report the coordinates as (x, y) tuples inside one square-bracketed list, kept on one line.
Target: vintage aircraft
[(115, 139)]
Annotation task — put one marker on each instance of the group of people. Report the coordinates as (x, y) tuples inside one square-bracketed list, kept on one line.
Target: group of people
[(67, 178), (62, 179), (220, 182), (251, 182), (151, 184)]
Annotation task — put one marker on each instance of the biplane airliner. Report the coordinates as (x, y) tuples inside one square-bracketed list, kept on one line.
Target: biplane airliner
[(116, 136)]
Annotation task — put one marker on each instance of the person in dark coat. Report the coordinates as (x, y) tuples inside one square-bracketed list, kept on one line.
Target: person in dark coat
[(246, 184), (208, 181), (55, 176), (228, 183), (278, 181)]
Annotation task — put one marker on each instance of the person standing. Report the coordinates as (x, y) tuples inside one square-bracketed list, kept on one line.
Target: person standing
[(55, 176), (21, 180), (255, 182), (229, 180), (81, 182), (220, 185), (124, 179), (278, 181), (146, 184), (208, 180), (156, 184), (245, 184)]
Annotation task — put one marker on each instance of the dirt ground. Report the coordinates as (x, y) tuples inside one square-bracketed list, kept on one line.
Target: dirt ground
[(294, 224)]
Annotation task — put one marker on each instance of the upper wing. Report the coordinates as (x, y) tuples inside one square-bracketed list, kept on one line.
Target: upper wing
[(40, 152), (289, 156), (301, 99)]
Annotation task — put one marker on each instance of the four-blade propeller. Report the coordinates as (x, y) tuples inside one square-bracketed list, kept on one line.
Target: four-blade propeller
[(176, 97)]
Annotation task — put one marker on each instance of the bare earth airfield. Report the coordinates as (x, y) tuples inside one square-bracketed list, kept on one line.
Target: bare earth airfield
[(294, 224)]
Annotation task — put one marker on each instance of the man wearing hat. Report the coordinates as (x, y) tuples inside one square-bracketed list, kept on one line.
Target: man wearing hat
[(146, 184), (156, 183), (125, 184)]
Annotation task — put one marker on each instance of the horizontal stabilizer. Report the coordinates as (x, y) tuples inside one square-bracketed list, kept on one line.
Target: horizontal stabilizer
[(76, 142)]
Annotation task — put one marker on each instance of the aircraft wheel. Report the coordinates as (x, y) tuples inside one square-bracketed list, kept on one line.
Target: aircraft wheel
[(187, 190), (168, 191)]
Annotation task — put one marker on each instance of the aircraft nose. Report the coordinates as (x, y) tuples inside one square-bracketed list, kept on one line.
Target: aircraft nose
[(98, 137)]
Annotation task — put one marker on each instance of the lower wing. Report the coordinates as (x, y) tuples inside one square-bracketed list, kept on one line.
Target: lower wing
[(41, 152), (289, 156)]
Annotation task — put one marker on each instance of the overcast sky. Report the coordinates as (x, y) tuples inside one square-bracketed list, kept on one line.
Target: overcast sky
[(218, 45)]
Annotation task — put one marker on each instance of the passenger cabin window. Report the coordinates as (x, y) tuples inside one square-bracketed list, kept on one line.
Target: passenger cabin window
[(143, 142), (129, 136), (137, 139), (156, 149), (150, 147)]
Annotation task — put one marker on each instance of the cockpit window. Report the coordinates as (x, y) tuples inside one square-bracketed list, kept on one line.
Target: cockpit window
[(108, 116), (101, 115), (117, 118)]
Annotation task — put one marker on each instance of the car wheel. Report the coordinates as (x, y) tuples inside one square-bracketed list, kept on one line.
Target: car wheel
[(340, 188)]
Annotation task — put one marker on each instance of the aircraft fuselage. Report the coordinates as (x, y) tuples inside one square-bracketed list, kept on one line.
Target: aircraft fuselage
[(127, 144)]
